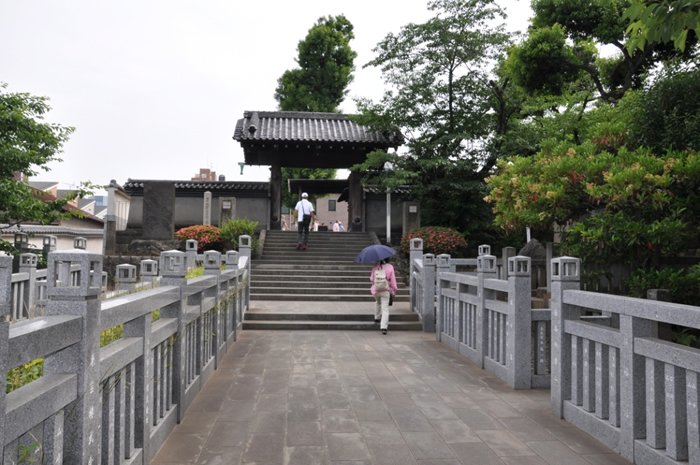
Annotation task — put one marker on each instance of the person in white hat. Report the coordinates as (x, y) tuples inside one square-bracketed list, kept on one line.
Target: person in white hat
[(305, 215)]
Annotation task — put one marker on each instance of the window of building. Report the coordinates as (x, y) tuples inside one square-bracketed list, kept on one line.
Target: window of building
[(331, 205)]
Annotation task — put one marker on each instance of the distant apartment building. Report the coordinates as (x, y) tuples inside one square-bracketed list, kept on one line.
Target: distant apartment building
[(329, 210), (205, 174)]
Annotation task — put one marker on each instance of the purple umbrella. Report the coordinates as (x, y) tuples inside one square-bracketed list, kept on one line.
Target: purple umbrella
[(374, 253)]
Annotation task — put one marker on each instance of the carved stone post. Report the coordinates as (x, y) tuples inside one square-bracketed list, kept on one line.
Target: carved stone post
[(519, 328), (5, 296), (245, 244), (566, 275), (173, 268), (27, 264), (79, 296), (485, 269), (428, 317)]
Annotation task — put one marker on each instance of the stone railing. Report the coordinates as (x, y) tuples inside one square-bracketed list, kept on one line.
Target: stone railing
[(115, 404), (491, 320), (615, 379)]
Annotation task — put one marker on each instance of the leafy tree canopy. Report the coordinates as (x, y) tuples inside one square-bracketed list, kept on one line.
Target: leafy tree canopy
[(325, 68), (319, 84), (663, 22), (562, 45), (441, 99), (28, 144)]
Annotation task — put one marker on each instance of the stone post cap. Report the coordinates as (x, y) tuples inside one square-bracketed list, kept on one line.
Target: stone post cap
[(191, 245), (126, 273), (429, 259), (416, 243), (21, 238), (212, 260), (244, 242), (566, 269), (87, 281), (231, 259), (443, 260), (80, 243), (519, 266), (27, 260), (484, 249), (173, 263), (486, 263), (49, 241), (149, 267), (5, 284)]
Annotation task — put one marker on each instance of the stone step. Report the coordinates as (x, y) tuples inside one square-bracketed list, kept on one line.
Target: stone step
[(295, 266), (284, 271), (366, 317), (361, 289), (366, 297), (330, 325), (311, 283), (309, 254)]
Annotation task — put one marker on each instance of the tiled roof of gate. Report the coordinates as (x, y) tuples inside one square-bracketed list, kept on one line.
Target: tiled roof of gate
[(214, 185), (307, 127)]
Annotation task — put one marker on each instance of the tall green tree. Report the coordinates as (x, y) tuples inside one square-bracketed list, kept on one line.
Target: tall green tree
[(562, 47), (325, 68), (441, 98), (326, 63), (27, 145)]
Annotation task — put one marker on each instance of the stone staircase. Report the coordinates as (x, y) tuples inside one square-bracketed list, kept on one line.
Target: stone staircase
[(323, 272)]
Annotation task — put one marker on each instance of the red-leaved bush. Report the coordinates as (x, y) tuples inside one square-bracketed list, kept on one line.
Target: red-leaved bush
[(207, 237), (436, 240)]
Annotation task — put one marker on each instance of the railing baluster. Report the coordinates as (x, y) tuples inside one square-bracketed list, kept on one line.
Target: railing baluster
[(693, 399), (656, 419), (602, 380), (676, 413), (588, 378)]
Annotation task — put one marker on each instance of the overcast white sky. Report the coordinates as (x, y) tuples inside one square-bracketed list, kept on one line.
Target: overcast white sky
[(154, 88)]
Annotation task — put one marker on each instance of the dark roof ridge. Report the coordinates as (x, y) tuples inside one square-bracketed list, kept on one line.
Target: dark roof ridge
[(296, 114)]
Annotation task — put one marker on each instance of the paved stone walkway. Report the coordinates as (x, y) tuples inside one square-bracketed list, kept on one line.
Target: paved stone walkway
[(361, 398)]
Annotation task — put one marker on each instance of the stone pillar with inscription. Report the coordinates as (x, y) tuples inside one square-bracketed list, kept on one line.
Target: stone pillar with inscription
[(206, 219)]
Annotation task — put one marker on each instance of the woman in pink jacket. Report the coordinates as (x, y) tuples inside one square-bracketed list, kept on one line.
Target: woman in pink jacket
[(381, 307)]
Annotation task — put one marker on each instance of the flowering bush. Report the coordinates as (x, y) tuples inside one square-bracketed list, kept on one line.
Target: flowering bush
[(436, 240), (207, 237)]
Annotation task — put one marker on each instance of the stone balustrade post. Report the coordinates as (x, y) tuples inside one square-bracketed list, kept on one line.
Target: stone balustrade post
[(235, 299), (27, 264), (245, 244), (149, 271), (443, 265), (212, 267), (173, 269), (566, 275), (485, 269), (126, 277), (519, 328), (21, 243), (428, 317), (49, 245), (191, 247), (506, 254), (5, 307), (80, 243), (82, 437), (416, 253)]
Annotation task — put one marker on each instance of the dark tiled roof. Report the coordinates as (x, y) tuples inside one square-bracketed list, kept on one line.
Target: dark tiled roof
[(209, 185), (51, 229), (42, 185), (373, 189), (307, 127)]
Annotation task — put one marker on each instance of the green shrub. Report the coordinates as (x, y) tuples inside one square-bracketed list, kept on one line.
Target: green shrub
[(682, 284), (437, 240), (233, 229), (207, 237)]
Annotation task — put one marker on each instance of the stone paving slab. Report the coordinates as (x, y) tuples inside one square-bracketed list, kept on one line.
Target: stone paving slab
[(362, 398)]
